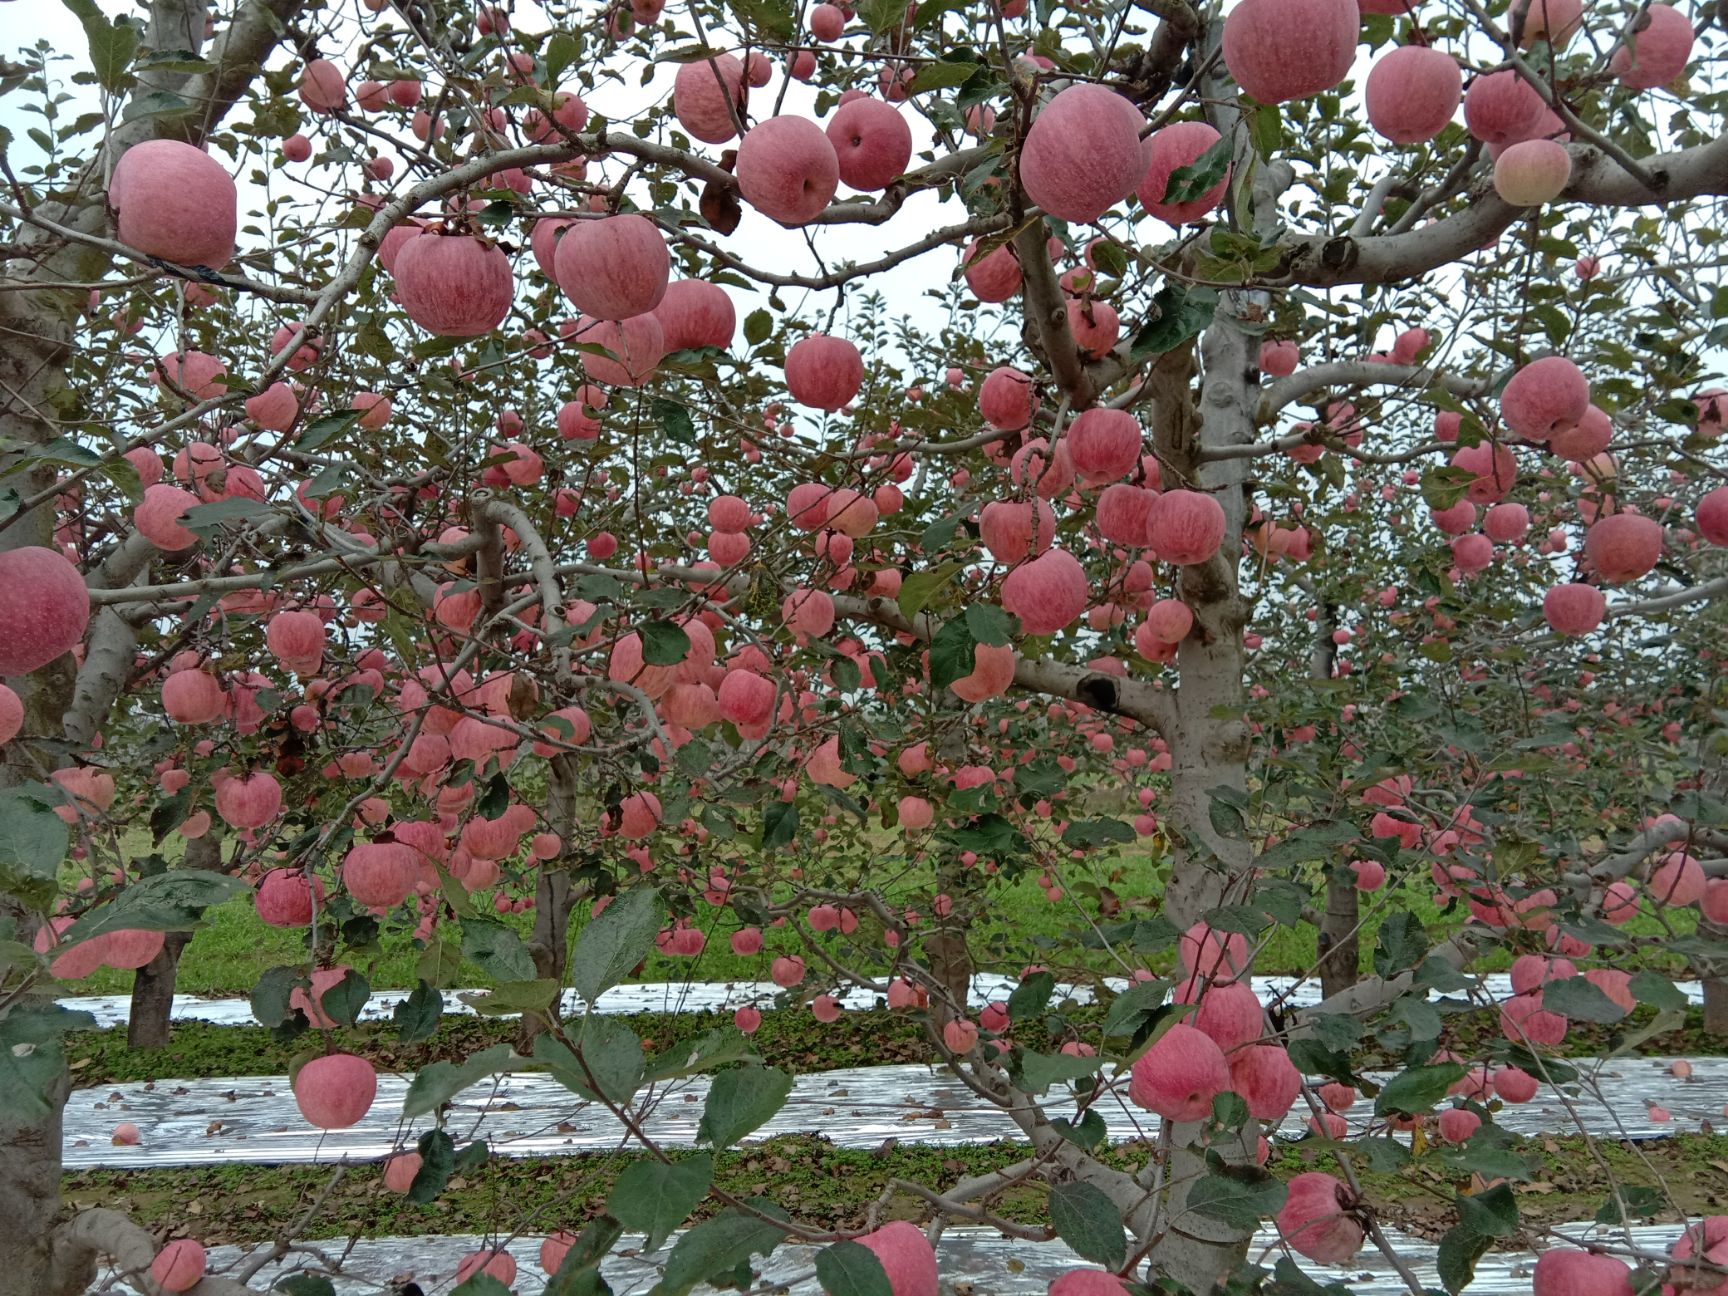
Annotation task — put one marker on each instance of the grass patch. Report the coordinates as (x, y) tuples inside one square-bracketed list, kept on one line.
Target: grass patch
[(1018, 924)]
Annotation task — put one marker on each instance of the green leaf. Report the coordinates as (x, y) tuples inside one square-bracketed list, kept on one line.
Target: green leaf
[(1460, 1249), (112, 44), (1229, 1111), (880, 15), (1225, 814), (1183, 313), (654, 1197), (674, 419), (1088, 1134), (1128, 1010), (1384, 1155), (1190, 183), (1086, 833), (439, 1082), (1241, 1198), (1489, 1153), (941, 75), (321, 431), (740, 1102), (1418, 1089), (1658, 991), (496, 950), (720, 1246), (172, 901), (615, 942), (577, 1274), (1031, 996), (1641, 1202), (1241, 920), (937, 535), (207, 519), (305, 1285), (514, 997), (1493, 1212), (1039, 777), (850, 1269), (169, 814), (758, 324), (33, 839), (920, 587), (32, 1058), (481, 1284), (1403, 944), (771, 17), (664, 644), (1266, 130), (707, 1051), (1578, 999), (1038, 1072), (1110, 259), (953, 653), (1289, 1280), (125, 477), (989, 624), (779, 825), (612, 1054), (560, 54), (495, 800), (269, 997), (154, 104), (416, 1017), (343, 1002), (1087, 1220)]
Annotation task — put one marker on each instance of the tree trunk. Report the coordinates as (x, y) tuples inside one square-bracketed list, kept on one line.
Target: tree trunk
[(549, 944), (30, 1193), (149, 1022), (1715, 1005), (1209, 741), (1340, 943), (40, 326)]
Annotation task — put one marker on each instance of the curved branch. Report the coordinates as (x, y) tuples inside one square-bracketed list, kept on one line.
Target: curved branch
[(1047, 313), (1360, 373), (1672, 599), (184, 591), (1326, 260), (103, 1232), (1133, 699), (1370, 995)]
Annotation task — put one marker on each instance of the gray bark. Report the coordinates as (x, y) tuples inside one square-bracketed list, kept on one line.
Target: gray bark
[(1209, 740), (40, 326), (30, 1193), (149, 1023), (549, 944)]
